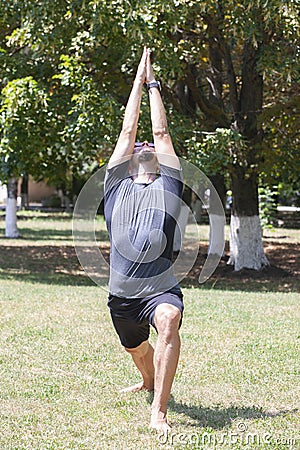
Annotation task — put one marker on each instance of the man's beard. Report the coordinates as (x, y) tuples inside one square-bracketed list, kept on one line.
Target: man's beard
[(145, 156)]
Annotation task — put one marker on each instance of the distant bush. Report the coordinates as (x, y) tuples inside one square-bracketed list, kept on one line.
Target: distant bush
[(52, 202), (267, 197)]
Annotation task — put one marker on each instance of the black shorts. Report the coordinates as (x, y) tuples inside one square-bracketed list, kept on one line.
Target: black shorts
[(132, 317)]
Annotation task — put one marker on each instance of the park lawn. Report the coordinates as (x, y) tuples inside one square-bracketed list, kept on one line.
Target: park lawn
[(237, 383)]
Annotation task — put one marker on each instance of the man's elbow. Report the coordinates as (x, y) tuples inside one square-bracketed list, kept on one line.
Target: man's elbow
[(128, 131), (161, 133)]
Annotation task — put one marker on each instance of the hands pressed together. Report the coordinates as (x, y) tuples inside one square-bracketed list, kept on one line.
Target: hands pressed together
[(145, 72)]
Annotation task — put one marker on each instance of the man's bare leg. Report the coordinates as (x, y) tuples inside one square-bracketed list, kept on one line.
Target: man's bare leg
[(143, 359), (166, 355)]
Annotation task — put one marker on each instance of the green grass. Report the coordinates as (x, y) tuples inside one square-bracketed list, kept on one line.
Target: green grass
[(61, 365)]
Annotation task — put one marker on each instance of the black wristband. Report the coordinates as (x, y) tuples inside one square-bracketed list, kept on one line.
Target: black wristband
[(153, 84)]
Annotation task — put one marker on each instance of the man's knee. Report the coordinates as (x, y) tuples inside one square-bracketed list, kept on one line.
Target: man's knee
[(140, 350), (167, 318)]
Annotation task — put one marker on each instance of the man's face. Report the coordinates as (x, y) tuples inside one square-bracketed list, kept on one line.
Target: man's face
[(144, 151)]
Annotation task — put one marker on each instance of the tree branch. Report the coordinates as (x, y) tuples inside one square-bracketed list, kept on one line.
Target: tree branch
[(214, 31), (211, 111)]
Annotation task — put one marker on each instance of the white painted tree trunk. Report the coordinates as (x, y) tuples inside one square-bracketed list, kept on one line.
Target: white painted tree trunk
[(180, 227), (246, 247), (11, 230), (216, 234)]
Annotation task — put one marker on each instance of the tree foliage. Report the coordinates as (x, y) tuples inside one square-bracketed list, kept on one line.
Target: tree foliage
[(229, 73)]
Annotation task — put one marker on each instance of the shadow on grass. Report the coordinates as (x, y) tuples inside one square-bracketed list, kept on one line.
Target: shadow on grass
[(281, 276), (45, 234), (61, 279), (49, 264), (50, 234), (58, 264), (246, 284), (217, 417)]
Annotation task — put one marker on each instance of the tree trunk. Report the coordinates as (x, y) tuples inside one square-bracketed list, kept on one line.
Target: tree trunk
[(24, 192), (180, 227), (246, 247), (217, 223), (11, 230)]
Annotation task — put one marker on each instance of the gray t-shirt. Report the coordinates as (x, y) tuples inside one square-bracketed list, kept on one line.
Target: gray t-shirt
[(141, 220)]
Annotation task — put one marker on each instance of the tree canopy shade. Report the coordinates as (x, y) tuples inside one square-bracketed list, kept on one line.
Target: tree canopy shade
[(229, 72)]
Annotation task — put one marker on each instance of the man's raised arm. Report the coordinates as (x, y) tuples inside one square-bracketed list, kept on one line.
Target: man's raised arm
[(127, 137), (162, 139)]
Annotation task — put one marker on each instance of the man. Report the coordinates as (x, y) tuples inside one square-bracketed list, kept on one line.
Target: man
[(142, 201)]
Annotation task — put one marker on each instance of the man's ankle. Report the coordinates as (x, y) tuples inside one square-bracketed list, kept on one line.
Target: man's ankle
[(158, 410)]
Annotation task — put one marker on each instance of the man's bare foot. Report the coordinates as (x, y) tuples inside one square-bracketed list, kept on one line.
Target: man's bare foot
[(159, 421), (160, 425), (137, 387)]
